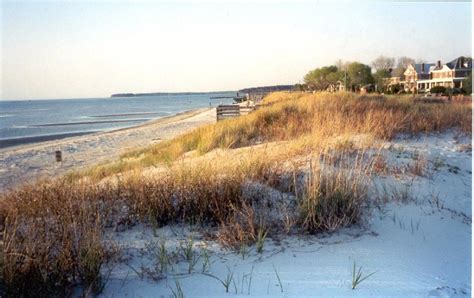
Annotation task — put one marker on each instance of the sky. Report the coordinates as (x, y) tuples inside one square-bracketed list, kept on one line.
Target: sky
[(79, 49)]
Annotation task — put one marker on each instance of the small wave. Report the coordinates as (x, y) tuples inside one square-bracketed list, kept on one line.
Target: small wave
[(5, 116), (20, 126), (91, 122)]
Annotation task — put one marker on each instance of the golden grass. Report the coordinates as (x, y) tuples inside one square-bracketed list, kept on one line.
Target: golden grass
[(335, 191), (290, 116), (52, 238), (53, 229)]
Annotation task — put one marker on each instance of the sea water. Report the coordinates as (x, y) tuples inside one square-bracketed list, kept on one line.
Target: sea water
[(29, 121)]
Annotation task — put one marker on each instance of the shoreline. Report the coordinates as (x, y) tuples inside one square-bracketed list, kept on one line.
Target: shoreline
[(26, 163), (16, 142), (45, 139)]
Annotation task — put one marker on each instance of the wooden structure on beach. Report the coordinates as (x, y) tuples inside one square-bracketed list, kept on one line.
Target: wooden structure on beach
[(246, 104), (232, 111)]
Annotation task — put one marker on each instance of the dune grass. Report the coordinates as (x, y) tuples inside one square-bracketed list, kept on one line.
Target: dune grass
[(288, 116), (333, 196), (53, 238), (53, 229)]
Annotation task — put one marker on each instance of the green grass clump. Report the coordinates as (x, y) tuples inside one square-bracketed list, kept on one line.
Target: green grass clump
[(357, 276)]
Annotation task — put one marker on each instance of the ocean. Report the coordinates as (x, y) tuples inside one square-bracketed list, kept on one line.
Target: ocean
[(31, 121)]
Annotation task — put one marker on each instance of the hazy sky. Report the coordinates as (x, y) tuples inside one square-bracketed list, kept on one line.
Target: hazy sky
[(78, 49)]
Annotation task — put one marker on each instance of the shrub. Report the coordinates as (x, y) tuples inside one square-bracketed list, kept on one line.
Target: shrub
[(453, 91), (394, 89), (467, 84), (438, 89)]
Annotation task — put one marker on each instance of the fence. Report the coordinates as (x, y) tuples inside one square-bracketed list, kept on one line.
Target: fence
[(232, 111)]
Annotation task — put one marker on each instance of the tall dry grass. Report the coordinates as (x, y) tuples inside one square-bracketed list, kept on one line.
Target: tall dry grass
[(335, 191), (288, 116), (53, 238), (53, 229)]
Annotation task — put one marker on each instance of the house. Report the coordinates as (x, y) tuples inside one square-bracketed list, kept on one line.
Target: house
[(423, 76), (393, 83), (416, 73), (451, 74), (339, 86)]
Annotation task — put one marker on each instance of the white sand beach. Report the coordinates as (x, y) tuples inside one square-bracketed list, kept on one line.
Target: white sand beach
[(27, 163)]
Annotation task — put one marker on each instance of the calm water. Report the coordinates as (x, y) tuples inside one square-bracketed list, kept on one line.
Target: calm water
[(38, 120)]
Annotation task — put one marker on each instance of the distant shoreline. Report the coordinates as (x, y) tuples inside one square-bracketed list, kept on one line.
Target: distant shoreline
[(259, 89), (165, 93)]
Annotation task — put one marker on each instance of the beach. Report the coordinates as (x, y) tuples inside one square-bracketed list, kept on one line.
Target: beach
[(26, 163), (321, 192)]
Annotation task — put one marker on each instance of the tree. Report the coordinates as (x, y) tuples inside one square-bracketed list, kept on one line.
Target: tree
[(299, 87), (319, 78), (383, 63), (359, 75), (405, 61), (335, 77), (467, 84), (380, 78), (402, 64), (341, 65)]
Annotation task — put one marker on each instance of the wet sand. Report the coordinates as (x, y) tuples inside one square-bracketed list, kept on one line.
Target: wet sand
[(27, 163)]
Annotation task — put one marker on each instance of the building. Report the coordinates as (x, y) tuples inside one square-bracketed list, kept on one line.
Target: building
[(451, 74), (394, 81), (339, 86), (393, 84), (414, 74), (422, 77)]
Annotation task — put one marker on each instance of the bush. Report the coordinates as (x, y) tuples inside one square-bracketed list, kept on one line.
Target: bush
[(394, 89), (438, 89), (453, 91), (467, 84)]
